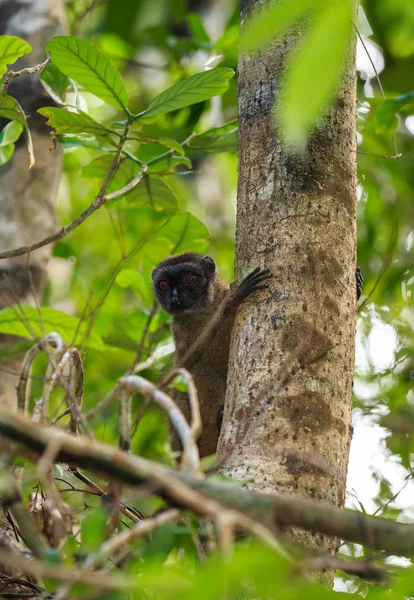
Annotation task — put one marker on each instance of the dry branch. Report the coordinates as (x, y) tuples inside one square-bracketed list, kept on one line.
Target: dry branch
[(204, 496), (361, 568), (12, 501), (120, 541), (10, 75), (77, 392), (124, 419), (196, 424), (136, 384), (66, 574), (52, 339)]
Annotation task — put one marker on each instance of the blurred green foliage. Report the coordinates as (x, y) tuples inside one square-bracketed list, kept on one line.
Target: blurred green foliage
[(100, 273)]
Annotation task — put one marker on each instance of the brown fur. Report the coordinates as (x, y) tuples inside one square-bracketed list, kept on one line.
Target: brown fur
[(208, 364), (202, 320)]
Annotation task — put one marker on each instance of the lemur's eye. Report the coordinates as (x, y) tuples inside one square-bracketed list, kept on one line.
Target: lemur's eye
[(163, 285), (191, 279)]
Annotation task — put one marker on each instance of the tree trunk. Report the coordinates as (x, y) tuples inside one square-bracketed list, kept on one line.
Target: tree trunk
[(27, 198), (287, 422)]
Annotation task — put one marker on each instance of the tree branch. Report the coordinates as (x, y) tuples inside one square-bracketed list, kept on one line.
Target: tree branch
[(136, 384), (273, 511), (100, 200), (10, 75)]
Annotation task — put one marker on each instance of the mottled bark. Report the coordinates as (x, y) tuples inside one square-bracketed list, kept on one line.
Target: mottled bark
[(27, 198), (287, 421)]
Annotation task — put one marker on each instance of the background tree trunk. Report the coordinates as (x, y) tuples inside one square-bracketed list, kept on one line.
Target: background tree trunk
[(27, 198), (287, 422)]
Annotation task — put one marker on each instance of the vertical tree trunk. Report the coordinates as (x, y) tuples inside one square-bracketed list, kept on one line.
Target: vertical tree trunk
[(287, 422), (27, 198)]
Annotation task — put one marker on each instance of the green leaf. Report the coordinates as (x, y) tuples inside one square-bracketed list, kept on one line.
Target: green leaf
[(128, 278), (188, 233), (269, 23), (315, 71), (180, 160), (6, 152), (11, 48), (131, 278), (10, 134), (197, 29), (151, 190), (93, 528), (172, 144), (77, 140), (228, 45), (55, 82), (217, 139), (67, 326), (87, 65), (385, 119), (190, 90), (64, 121), (181, 233), (11, 109), (155, 191), (9, 351), (99, 167)]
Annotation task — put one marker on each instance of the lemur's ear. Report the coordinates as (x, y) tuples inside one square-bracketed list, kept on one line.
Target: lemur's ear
[(209, 264)]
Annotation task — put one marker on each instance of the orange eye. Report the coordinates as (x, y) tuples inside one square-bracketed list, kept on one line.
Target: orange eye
[(191, 279), (163, 285)]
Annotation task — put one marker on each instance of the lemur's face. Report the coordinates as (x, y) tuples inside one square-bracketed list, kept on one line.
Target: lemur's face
[(182, 282)]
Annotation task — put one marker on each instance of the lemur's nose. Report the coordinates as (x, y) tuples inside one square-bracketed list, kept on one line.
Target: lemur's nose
[(174, 296)]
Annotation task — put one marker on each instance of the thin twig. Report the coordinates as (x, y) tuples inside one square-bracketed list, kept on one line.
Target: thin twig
[(22, 397), (77, 393), (100, 200), (385, 264), (361, 568), (146, 364), (141, 346), (12, 501), (196, 424), (394, 141), (127, 188), (62, 573), (381, 509), (54, 372), (142, 528), (139, 415), (52, 339), (132, 513), (386, 156), (59, 417), (135, 383), (74, 397), (120, 543), (103, 403), (94, 311), (124, 418), (10, 75)]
